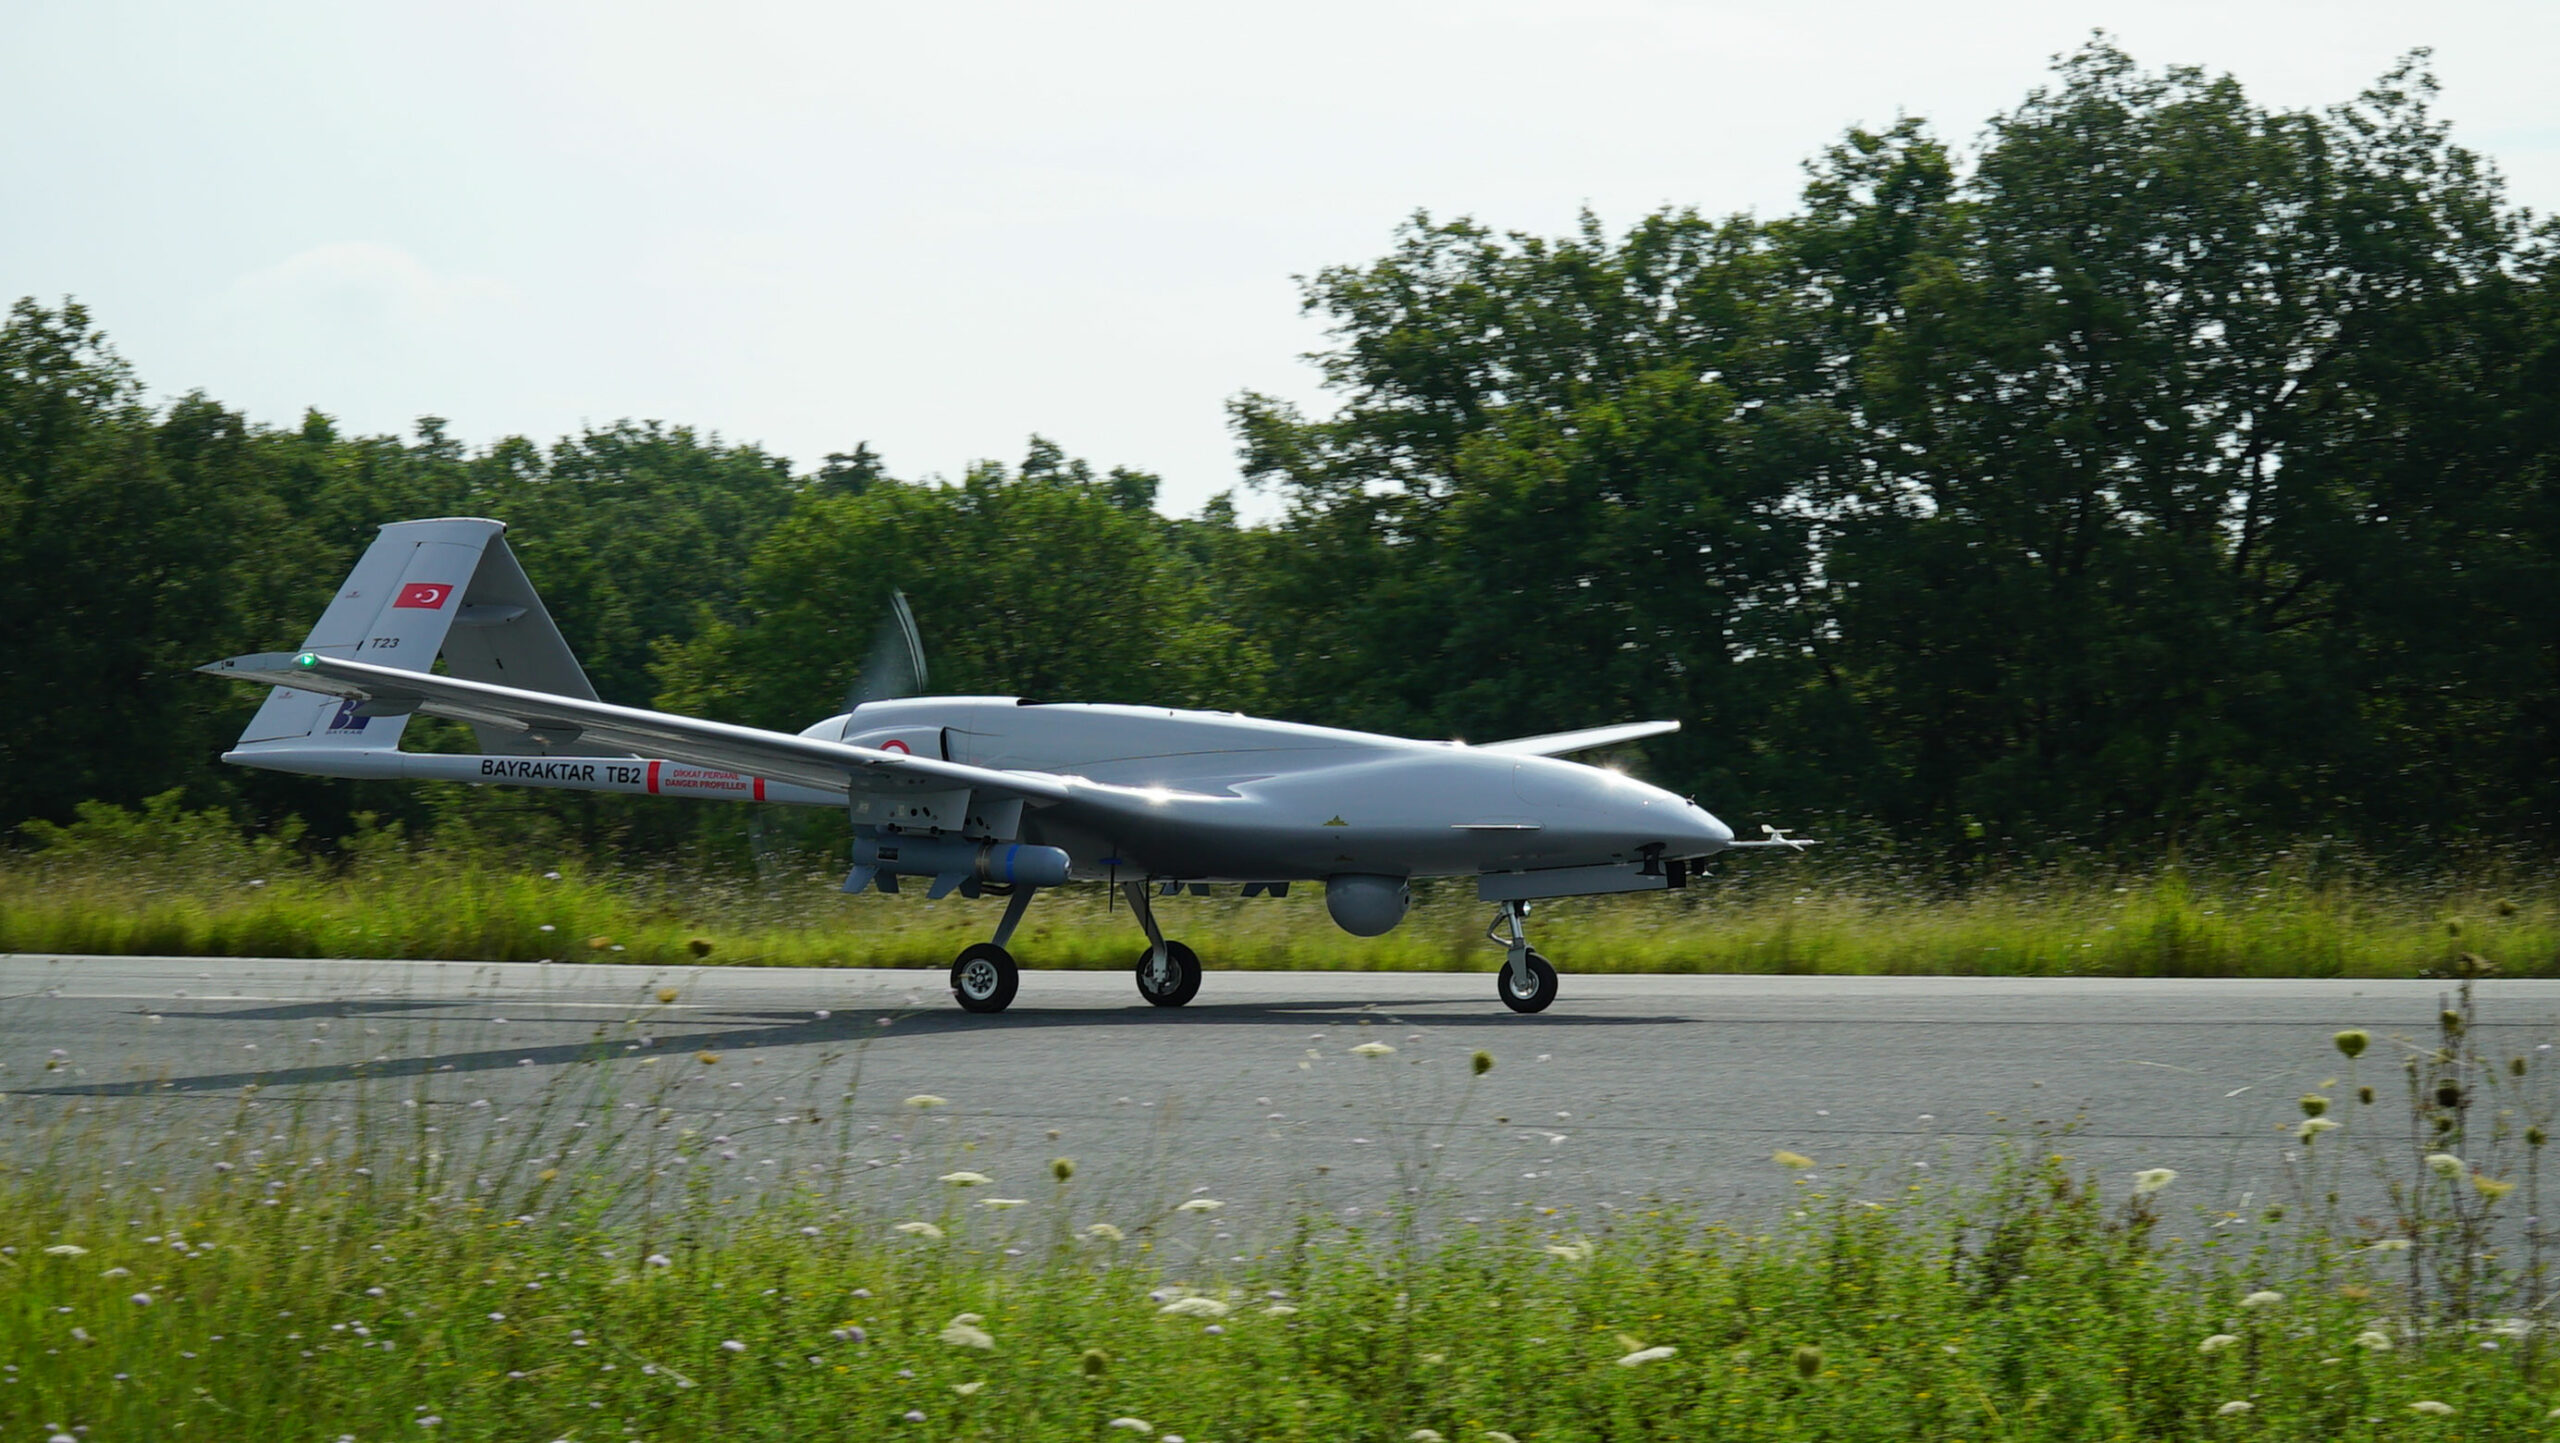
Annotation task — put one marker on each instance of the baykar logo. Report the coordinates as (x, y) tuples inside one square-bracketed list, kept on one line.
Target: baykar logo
[(426, 594)]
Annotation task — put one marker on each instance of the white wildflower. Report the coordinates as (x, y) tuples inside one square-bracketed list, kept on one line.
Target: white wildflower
[(2444, 1165), (1373, 1049), (732, 1345), (117, 1273), (1200, 1205), (659, 1260), (1496, 1435), (1139, 1426), (2236, 1405), (142, 1300), (919, 1230), (965, 1389), (2432, 1408), (1104, 1232), (965, 1178), (964, 1332), (2391, 1245), (1279, 1310), (2374, 1339), (1575, 1250), (2311, 1127), (2263, 1298), (1002, 1202), (1425, 1435), (1642, 1356), (66, 1250), (2217, 1342), (2152, 1179), (926, 1099), (1194, 1308)]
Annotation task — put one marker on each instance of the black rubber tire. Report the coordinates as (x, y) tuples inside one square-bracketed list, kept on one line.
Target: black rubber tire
[(1540, 972), (985, 978), (1186, 966)]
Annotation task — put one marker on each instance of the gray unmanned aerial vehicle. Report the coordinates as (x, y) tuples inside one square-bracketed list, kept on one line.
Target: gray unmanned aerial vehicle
[(981, 795)]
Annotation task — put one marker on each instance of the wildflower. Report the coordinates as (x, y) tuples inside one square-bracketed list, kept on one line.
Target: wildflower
[(732, 1345), (920, 1230), (2444, 1165), (2391, 1245), (117, 1273), (1784, 1158), (1279, 1310), (966, 1178), (2432, 1408), (1104, 1232), (707, 1059), (659, 1260), (2236, 1406), (66, 1250), (2263, 1298), (1425, 1435), (2374, 1340), (1373, 1049), (2217, 1343), (1496, 1435), (2312, 1127), (1139, 1426), (2152, 1179), (1579, 1250), (850, 1334), (1003, 1202), (965, 1389), (1642, 1356), (2352, 1042), (1482, 1062), (924, 1100), (1200, 1205), (142, 1300), (914, 1415), (964, 1332), (2490, 1187), (1062, 1168), (1194, 1308)]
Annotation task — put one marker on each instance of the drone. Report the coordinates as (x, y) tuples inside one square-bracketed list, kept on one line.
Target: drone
[(980, 795)]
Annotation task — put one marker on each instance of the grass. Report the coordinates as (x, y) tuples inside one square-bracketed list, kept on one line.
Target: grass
[(169, 882), (266, 1288)]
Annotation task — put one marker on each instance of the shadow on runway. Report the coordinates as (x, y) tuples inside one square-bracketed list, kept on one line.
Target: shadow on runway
[(764, 1029)]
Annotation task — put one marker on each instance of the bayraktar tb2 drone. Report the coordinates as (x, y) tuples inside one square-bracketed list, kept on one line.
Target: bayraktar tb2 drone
[(979, 795)]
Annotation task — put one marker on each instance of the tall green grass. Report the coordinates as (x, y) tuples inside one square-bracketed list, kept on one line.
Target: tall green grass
[(167, 881)]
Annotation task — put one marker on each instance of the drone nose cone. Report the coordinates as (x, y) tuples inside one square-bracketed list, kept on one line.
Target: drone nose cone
[(1713, 834)]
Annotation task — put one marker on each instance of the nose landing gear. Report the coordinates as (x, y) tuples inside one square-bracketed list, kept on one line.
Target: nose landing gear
[(1528, 981)]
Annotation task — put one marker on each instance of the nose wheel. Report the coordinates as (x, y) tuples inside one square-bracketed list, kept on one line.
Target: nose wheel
[(1527, 982), (985, 978)]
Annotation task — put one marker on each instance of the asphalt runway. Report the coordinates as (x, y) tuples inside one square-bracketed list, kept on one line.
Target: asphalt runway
[(1631, 1089)]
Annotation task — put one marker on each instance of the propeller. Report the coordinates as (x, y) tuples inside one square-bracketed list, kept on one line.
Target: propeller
[(895, 667)]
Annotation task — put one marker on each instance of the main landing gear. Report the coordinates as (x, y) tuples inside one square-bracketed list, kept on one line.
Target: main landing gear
[(1168, 972), (1528, 981), (985, 977)]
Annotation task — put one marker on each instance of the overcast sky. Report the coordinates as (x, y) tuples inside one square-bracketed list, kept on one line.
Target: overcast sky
[(942, 227)]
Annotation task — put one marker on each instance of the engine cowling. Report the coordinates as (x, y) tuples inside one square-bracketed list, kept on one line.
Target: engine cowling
[(1367, 906)]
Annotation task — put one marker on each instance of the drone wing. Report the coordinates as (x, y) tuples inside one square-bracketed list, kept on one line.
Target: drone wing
[(1557, 744), (552, 720)]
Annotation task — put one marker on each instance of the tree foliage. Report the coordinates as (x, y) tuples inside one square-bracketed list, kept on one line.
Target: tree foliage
[(2166, 469)]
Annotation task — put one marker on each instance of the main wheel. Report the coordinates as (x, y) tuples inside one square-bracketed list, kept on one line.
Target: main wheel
[(1177, 981), (1542, 990), (984, 979)]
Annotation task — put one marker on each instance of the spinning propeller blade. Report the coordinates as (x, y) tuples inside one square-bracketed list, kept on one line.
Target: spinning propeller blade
[(895, 667)]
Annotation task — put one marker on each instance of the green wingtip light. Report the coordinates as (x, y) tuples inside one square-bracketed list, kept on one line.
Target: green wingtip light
[(306, 661)]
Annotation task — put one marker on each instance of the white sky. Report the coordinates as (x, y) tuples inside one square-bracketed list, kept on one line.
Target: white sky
[(942, 227)]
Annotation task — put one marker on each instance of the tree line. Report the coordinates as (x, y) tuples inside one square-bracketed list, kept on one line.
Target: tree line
[(2159, 469)]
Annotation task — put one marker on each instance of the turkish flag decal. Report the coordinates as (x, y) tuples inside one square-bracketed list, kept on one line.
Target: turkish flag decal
[(428, 594)]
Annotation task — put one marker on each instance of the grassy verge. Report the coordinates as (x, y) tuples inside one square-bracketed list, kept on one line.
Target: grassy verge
[(175, 883), (292, 1296)]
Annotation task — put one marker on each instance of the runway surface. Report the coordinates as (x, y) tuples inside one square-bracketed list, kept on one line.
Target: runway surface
[(1630, 1089)]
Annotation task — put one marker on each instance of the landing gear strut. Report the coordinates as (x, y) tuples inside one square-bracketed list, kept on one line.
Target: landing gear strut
[(1528, 981), (985, 978), (1168, 972)]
